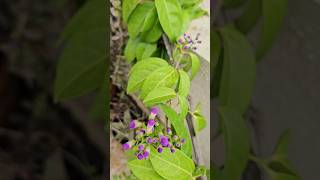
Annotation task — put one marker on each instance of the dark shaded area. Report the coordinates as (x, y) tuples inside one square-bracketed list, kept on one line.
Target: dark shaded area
[(34, 129)]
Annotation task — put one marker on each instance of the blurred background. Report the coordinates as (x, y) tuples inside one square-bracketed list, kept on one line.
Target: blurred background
[(286, 93), (40, 139)]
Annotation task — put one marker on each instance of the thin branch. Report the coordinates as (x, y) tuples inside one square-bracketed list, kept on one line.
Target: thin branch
[(168, 48), (143, 108)]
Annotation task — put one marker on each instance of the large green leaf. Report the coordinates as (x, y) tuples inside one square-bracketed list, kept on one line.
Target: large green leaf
[(184, 83), (180, 128), (237, 143), (239, 68), (143, 169), (172, 166), (154, 34), (145, 50), (141, 70), (170, 16), (82, 66), (165, 76), (250, 16), (150, 19), (273, 12), (127, 8), (130, 50), (159, 95), (90, 16), (137, 18)]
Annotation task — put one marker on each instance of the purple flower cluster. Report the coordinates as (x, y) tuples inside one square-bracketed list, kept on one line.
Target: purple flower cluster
[(150, 134), (187, 43)]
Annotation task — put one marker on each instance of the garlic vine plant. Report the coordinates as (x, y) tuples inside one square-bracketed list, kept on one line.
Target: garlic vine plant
[(163, 66)]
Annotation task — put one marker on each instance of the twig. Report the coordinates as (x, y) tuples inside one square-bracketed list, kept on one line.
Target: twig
[(168, 48), (143, 108)]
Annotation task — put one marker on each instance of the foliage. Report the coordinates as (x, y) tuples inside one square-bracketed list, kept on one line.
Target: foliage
[(232, 82), (161, 75)]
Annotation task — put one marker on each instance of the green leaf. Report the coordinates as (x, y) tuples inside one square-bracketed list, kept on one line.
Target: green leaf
[(279, 161), (127, 8), (237, 144), (141, 70), (184, 83), (165, 76), (180, 128), (199, 171), (150, 19), (143, 169), (184, 107), (172, 165), (90, 16), (195, 61), (250, 16), (130, 50), (137, 18), (82, 66), (190, 2), (239, 69), (145, 50), (154, 34), (159, 95), (170, 13), (199, 120), (273, 12)]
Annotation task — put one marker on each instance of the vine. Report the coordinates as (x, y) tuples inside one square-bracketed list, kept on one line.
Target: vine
[(163, 66)]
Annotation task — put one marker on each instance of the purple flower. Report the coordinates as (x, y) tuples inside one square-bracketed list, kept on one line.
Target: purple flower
[(146, 153), (140, 156), (155, 140), (183, 141), (186, 47), (149, 140), (172, 150), (127, 145), (153, 112), (134, 124), (141, 147), (160, 149), (150, 125), (164, 141), (169, 131)]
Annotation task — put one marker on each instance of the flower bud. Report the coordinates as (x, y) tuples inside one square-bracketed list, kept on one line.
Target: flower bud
[(134, 124), (183, 141), (172, 150), (160, 149), (141, 147), (149, 140), (178, 145), (140, 156), (128, 145), (164, 141), (153, 112), (146, 153), (169, 131), (175, 137)]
